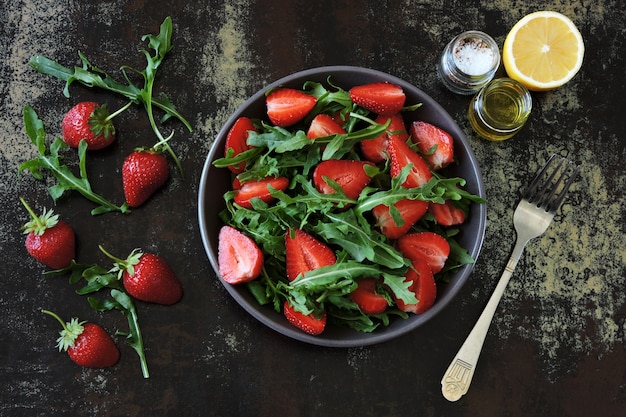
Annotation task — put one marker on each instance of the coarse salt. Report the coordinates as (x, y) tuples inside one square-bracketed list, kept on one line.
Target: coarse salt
[(473, 56)]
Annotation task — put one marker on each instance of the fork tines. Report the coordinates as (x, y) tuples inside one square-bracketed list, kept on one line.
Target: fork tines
[(548, 188)]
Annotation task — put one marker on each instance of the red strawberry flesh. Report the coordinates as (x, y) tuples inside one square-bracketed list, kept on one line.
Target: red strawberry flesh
[(434, 143), (410, 211), (286, 106), (367, 299), (349, 174), (428, 246), (323, 125), (380, 97), (239, 258), (401, 156), (305, 253), (423, 286), (236, 140), (307, 323), (258, 189), (446, 214), (375, 150)]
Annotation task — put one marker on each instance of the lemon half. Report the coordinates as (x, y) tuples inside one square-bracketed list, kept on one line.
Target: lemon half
[(543, 51)]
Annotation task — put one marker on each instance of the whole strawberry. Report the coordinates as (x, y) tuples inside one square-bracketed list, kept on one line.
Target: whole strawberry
[(148, 277), (87, 344), (144, 171), (50, 240), (89, 121)]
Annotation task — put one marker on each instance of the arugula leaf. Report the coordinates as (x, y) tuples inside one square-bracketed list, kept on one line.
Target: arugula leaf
[(49, 160), (92, 76)]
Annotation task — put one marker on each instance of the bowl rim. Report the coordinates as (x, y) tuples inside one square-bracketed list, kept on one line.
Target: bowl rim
[(359, 339)]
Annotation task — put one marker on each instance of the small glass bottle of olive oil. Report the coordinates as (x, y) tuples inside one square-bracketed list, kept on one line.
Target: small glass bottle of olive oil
[(500, 109)]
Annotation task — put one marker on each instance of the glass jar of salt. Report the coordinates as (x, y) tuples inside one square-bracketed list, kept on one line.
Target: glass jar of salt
[(469, 62)]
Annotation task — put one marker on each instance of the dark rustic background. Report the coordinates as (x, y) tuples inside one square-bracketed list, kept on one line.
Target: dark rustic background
[(556, 347)]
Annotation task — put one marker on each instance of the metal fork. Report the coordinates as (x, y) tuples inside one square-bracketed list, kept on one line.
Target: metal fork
[(531, 219)]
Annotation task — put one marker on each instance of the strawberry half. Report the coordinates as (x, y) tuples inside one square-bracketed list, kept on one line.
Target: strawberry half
[(446, 214), (428, 246), (434, 143), (258, 189), (423, 286), (323, 125), (144, 171), (236, 140), (375, 150), (239, 258), (308, 323), (366, 297), (89, 121), (49, 240), (87, 344), (305, 253), (380, 97), (410, 211), (402, 155), (287, 106), (349, 174)]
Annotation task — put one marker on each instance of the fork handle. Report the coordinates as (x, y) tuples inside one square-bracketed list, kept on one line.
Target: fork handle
[(457, 379)]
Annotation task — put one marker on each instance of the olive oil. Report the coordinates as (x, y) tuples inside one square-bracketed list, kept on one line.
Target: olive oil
[(500, 109)]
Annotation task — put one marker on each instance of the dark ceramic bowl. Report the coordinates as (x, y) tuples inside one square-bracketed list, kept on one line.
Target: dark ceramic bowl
[(215, 182)]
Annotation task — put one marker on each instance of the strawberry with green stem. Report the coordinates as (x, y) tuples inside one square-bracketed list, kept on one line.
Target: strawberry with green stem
[(49, 240), (144, 171), (98, 278), (147, 277), (49, 160), (87, 344), (92, 122)]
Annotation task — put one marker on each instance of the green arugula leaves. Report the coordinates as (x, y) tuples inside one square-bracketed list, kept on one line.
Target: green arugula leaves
[(91, 76)]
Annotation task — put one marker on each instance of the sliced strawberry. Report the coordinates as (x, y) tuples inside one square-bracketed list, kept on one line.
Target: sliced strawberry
[(375, 150), (410, 211), (446, 214), (307, 323), (323, 125), (402, 155), (340, 118), (239, 258), (423, 286), (428, 246), (380, 97), (349, 174), (258, 189), (236, 140), (434, 143), (287, 106), (366, 297), (305, 253)]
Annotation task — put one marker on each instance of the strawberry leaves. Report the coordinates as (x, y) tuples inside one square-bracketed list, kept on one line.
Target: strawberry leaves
[(49, 160)]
